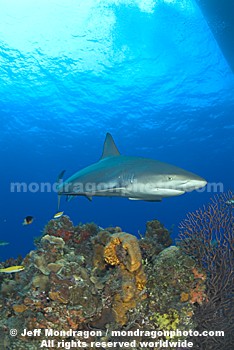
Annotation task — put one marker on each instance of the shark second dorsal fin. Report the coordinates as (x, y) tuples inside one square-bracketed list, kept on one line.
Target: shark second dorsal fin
[(109, 148)]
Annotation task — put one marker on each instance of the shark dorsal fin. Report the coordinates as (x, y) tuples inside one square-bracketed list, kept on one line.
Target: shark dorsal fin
[(109, 148)]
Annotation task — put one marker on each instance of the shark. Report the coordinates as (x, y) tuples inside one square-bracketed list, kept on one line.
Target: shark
[(135, 178)]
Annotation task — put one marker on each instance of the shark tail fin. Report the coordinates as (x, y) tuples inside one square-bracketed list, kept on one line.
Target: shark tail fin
[(60, 177), (109, 148)]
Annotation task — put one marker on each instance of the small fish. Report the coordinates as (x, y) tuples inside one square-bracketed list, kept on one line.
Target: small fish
[(58, 215), (28, 220), (230, 201), (2, 243), (12, 269)]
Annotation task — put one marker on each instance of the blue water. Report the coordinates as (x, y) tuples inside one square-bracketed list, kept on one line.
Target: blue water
[(149, 72)]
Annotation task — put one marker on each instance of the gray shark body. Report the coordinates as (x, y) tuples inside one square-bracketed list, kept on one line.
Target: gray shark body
[(135, 178)]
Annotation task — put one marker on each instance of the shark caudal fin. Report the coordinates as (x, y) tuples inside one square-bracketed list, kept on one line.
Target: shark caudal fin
[(60, 178), (109, 148)]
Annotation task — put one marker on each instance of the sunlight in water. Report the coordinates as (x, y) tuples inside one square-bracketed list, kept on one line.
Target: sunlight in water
[(93, 34), (66, 26)]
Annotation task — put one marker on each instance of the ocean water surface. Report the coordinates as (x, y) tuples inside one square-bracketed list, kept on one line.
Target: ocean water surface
[(149, 72)]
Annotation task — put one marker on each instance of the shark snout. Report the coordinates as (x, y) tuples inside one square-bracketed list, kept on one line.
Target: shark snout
[(193, 184)]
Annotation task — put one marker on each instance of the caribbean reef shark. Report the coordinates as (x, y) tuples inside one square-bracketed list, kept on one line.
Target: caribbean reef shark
[(135, 178)]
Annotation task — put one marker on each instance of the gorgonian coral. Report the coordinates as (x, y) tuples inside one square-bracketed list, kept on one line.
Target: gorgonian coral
[(208, 235)]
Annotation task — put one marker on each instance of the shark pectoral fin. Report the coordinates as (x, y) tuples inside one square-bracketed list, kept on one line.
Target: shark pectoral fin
[(112, 189), (90, 198), (109, 148), (146, 200)]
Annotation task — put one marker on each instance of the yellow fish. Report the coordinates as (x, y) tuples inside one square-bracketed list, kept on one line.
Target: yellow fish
[(12, 269), (58, 215)]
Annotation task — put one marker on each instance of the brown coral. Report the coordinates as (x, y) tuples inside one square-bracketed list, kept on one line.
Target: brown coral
[(123, 250), (60, 297), (40, 281), (129, 256), (19, 308), (184, 297)]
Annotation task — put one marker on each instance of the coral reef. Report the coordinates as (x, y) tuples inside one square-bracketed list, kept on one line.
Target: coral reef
[(83, 278), (61, 287)]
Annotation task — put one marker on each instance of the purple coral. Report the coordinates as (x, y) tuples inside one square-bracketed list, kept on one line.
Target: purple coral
[(208, 235)]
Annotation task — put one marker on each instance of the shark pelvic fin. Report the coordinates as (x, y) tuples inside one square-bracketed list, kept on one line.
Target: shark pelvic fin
[(69, 198), (59, 199), (109, 148)]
